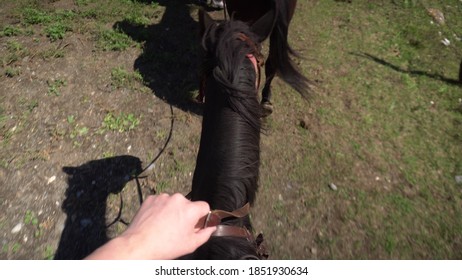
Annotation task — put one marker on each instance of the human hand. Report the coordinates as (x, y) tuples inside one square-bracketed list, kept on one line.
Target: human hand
[(165, 227)]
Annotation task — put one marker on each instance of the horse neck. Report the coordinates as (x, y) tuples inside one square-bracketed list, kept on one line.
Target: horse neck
[(227, 168)]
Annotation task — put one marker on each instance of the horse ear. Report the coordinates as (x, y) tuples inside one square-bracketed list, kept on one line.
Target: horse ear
[(264, 25), (205, 21)]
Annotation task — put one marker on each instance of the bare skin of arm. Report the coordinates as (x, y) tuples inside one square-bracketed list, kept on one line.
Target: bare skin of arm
[(165, 227)]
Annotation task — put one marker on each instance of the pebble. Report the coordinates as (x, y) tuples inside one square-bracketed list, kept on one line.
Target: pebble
[(458, 179), (446, 42), (332, 186), (51, 180), (16, 228)]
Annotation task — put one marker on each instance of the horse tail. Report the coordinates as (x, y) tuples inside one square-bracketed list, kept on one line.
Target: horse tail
[(280, 50)]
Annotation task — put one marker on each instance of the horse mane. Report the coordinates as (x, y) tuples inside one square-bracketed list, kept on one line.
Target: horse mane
[(226, 58), (227, 167)]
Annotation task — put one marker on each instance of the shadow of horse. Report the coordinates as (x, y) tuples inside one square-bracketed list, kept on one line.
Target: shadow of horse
[(169, 62), (89, 186)]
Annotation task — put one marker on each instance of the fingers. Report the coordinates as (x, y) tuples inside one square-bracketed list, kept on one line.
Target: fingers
[(203, 235)]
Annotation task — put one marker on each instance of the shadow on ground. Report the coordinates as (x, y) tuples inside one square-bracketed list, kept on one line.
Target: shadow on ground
[(89, 186), (169, 62), (413, 72)]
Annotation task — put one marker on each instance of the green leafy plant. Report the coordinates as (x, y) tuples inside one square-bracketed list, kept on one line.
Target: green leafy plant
[(49, 253), (30, 218), (57, 31), (79, 131), (10, 31), (34, 16), (54, 86), (121, 123), (70, 119)]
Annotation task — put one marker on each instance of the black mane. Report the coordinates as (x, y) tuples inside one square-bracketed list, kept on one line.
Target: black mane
[(228, 161)]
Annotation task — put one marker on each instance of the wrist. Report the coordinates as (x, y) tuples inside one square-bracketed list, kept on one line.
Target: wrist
[(119, 248)]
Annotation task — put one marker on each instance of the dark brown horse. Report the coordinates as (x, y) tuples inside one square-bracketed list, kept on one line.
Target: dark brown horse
[(279, 60), (227, 166)]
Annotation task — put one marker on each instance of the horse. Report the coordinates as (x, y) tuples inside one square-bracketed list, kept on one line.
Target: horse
[(279, 56), (228, 161)]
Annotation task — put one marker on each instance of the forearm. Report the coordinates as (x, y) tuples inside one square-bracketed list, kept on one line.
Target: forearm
[(122, 248)]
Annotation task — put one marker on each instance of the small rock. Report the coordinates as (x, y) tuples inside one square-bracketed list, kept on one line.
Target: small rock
[(332, 186), (16, 228), (51, 180), (314, 251), (446, 42), (458, 179)]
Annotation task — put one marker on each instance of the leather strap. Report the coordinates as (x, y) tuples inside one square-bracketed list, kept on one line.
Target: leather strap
[(224, 230), (238, 213), (214, 217)]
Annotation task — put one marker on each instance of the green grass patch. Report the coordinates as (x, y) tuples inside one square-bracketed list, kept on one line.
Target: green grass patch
[(12, 72), (34, 16), (56, 31), (15, 52), (121, 123), (122, 78), (30, 218), (49, 253), (54, 86), (10, 31), (114, 40)]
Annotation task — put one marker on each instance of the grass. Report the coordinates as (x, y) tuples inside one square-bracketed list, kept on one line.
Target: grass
[(31, 219), (121, 123), (54, 86), (56, 31), (122, 78), (49, 253), (15, 51), (384, 130), (114, 40), (10, 31), (12, 72)]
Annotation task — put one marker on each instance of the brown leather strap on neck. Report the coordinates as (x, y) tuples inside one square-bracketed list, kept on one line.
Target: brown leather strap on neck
[(238, 213), (214, 217), (224, 230)]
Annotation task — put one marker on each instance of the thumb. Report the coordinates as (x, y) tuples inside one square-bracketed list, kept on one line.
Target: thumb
[(203, 235)]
